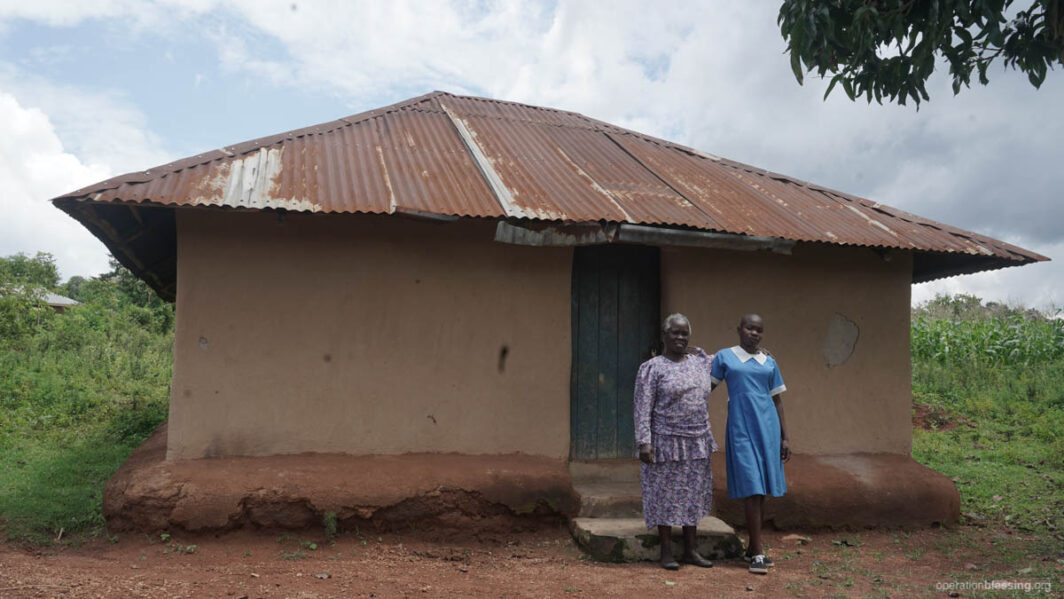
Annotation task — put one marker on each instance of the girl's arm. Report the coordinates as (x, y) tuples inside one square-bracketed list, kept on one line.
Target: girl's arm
[(785, 446), (716, 372), (778, 388)]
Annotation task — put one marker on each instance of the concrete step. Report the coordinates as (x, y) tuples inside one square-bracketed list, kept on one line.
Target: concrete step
[(628, 540), (607, 499)]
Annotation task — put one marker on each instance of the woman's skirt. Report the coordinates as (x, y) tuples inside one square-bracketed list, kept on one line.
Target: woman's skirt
[(678, 486)]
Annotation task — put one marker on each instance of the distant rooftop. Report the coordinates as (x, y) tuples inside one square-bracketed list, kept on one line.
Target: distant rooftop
[(52, 299), (56, 300)]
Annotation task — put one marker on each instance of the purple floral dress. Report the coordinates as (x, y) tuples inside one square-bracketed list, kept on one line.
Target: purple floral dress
[(672, 413)]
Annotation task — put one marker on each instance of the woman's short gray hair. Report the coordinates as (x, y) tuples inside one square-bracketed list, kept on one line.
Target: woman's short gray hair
[(674, 317)]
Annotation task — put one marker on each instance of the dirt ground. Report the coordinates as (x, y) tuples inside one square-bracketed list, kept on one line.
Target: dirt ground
[(543, 563)]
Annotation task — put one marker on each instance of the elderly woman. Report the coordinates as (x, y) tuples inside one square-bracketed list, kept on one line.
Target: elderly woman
[(675, 441), (756, 442)]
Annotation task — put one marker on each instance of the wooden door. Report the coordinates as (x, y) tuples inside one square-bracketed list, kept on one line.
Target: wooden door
[(616, 304)]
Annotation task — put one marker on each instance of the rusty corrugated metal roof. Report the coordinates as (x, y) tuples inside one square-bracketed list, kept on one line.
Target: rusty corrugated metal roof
[(448, 155)]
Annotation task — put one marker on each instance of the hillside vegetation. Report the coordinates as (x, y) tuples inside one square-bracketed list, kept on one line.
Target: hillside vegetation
[(990, 379), (78, 391)]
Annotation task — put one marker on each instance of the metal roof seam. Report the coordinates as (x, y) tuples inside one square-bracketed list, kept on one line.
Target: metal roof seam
[(850, 201), (594, 184), (509, 118), (511, 103), (502, 193), (650, 170), (768, 194)]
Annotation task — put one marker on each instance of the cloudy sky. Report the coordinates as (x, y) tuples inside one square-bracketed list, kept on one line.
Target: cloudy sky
[(89, 90)]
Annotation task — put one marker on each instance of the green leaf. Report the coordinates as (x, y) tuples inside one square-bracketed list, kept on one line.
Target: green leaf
[(963, 12), (796, 65), (1037, 75), (915, 95), (847, 87), (965, 35), (831, 85)]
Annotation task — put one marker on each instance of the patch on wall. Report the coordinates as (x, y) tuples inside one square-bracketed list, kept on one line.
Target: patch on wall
[(840, 340)]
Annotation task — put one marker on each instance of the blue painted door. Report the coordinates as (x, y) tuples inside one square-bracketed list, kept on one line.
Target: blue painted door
[(616, 304)]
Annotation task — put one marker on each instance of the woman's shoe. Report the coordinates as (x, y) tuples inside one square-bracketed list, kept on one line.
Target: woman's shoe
[(757, 565), (697, 560)]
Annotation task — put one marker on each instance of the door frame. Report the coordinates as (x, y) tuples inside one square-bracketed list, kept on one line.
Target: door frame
[(612, 334)]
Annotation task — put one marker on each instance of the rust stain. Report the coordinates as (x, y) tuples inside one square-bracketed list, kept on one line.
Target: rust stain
[(591, 182), (387, 181)]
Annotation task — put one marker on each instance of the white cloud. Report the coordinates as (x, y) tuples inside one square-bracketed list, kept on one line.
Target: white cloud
[(97, 126), (33, 168), (370, 48)]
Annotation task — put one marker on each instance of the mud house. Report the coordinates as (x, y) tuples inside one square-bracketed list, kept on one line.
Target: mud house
[(459, 290)]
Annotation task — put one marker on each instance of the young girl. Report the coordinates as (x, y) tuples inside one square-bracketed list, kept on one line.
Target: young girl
[(756, 444)]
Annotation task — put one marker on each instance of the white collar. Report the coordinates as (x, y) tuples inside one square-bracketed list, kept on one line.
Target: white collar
[(744, 355)]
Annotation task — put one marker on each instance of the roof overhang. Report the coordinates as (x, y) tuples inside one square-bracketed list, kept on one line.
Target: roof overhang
[(142, 237)]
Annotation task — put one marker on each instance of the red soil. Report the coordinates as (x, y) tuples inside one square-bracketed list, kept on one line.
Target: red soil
[(542, 563)]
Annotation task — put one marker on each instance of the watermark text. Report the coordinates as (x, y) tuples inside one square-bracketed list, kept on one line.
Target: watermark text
[(1025, 586)]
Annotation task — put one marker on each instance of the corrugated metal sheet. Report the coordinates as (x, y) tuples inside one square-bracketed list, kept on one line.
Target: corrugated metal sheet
[(430, 169), (543, 184), (448, 155), (711, 187), (644, 197)]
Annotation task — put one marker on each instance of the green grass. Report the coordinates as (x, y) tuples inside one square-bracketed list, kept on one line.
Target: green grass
[(78, 392), (1009, 463), (53, 487)]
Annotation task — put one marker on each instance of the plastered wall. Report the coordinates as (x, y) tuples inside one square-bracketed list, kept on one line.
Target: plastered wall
[(366, 335), (811, 302), (380, 335)]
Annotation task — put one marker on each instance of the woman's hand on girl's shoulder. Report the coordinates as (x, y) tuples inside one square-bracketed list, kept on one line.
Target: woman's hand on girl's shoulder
[(699, 350)]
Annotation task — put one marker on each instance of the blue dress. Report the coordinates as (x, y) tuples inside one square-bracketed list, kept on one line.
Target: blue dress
[(752, 442)]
